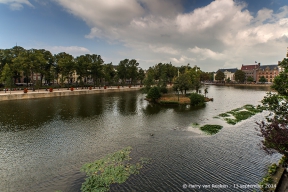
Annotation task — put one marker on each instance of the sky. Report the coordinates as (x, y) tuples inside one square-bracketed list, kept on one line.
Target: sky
[(210, 34)]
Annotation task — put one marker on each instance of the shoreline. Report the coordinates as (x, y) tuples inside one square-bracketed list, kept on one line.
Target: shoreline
[(19, 94), (251, 85)]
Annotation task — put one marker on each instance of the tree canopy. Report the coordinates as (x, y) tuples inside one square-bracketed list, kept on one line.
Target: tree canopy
[(240, 76), (275, 129), (219, 76)]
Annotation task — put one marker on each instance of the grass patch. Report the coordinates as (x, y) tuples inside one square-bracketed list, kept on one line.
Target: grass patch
[(211, 129), (239, 114)]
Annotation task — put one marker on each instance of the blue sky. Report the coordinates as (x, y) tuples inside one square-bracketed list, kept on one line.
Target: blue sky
[(210, 34)]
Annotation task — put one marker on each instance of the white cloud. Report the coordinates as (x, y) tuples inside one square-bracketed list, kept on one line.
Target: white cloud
[(73, 50), (224, 32), (16, 4)]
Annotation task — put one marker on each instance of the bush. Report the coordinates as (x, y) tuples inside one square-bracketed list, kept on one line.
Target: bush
[(197, 99), (163, 90), (154, 94)]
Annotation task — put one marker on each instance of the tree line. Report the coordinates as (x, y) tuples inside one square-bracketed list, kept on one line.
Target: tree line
[(17, 63)]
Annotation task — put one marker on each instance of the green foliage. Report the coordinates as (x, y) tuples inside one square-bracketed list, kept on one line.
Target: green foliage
[(240, 76), (272, 169), (262, 79), (219, 76), (282, 160), (211, 129), (154, 94), (250, 79), (224, 115), (114, 168), (182, 83), (163, 90), (240, 114), (266, 181), (6, 75), (197, 99)]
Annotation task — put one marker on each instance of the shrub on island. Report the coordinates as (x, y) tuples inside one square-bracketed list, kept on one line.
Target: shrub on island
[(197, 99)]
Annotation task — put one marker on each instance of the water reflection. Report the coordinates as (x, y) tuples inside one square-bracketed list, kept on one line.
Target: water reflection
[(61, 134)]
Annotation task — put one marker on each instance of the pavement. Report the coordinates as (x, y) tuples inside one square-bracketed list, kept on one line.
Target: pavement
[(2, 92)]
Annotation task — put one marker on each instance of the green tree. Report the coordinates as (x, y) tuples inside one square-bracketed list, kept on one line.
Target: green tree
[(96, 68), (240, 76), (182, 83), (82, 64), (65, 65), (109, 73), (132, 69), (219, 76), (6, 76), (197, 99), (122, 70), (154, 94), (141, 75), (262, 79), (275, 129), (149, 80), (250, 79)]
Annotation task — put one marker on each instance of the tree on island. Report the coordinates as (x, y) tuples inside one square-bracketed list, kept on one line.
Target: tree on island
[(275, 129), (262, 79), (182, 83), (154, 94), (240, 76), (219, 76)]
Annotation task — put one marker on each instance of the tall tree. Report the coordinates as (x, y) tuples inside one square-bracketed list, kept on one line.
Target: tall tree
[(240, 76), (122, 70), (141, 75), (65, 66), (82, 64), (109, 73), (6, 76), (132, 69), (182, 83), (96, 68), (219, 76)]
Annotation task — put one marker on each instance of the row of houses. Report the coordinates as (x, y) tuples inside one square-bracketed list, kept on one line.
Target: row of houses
[(253, 71)]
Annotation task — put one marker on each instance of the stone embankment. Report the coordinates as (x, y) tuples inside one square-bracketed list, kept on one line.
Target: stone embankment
[(19, 94)]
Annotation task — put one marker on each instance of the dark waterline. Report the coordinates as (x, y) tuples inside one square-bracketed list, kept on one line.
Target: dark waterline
[(44, 142)]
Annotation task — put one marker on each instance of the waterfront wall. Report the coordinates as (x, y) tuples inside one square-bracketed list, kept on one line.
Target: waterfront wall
[(58, 93)]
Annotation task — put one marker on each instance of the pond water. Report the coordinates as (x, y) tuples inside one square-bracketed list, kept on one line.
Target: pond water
[(44, 142)]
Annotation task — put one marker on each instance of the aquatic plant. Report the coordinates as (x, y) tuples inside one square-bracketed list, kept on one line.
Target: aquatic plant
[(113, 168), (211, 129), (236, 115)]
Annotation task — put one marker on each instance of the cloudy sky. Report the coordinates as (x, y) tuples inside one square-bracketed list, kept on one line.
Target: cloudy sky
[(210, 34)]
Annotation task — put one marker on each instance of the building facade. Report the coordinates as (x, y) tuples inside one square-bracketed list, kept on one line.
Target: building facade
[(250, 71), (267, 71), (229, 74)]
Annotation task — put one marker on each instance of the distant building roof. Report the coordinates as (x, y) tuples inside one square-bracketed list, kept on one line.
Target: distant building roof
[(233, 70), (250, 67), (270, 67)]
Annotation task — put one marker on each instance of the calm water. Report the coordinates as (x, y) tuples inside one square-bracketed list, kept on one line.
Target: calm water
[(44, 142)]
